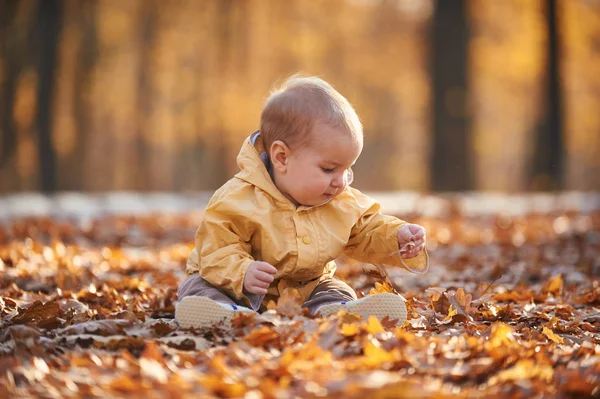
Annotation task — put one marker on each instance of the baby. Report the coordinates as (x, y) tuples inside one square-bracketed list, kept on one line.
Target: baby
[(290, 211)]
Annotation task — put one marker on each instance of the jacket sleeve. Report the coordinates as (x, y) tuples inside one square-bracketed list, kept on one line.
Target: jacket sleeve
[(223, 243), (374, 238)]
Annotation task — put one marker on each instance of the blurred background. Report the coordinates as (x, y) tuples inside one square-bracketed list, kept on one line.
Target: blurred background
[(157, 95)]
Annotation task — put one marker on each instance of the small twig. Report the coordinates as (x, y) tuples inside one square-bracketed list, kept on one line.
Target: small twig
[(490, 285)]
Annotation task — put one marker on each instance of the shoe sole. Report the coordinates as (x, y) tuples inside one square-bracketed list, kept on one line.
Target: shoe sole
[(202, 312), (378, 305)]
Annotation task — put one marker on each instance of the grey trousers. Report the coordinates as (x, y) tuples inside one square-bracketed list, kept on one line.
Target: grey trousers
[(328, 291)]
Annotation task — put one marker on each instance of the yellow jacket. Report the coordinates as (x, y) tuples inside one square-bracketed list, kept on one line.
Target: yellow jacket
[(249, 219)]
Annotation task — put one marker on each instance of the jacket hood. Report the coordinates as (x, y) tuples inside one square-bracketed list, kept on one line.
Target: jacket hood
[(253, 169)]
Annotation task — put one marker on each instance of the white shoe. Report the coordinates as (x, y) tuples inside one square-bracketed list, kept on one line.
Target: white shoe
[(378, 305), (200, 312)]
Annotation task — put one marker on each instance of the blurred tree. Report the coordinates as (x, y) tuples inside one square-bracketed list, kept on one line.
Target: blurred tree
[(580, 81), (11, 56), (547, 156), (72, 104), (451, 141), (48, 26), (18, 148)]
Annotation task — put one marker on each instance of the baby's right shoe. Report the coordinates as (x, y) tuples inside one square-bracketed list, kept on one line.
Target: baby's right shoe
[(378, 305), (203, 312)]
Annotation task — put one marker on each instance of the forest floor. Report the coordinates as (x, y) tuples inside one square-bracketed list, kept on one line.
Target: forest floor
[(509, 308)]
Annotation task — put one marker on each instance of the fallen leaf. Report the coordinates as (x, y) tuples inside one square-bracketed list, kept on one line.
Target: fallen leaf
[(289, 303), (43, 315), (381, 288), (463, 299), (552, 336), (374, 326), (350, 330), (451, 312), (524, 369), (388, 283), (375, 355), (97, 327), (263, 336), (555, 285)]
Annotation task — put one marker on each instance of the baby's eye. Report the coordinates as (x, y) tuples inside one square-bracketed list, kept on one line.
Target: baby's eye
[(328, 170)]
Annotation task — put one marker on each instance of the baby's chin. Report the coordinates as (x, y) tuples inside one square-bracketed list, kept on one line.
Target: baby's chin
[(323, 199)]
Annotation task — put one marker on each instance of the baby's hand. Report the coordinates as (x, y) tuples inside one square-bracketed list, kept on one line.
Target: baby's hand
[(411, 240), (258, 277)]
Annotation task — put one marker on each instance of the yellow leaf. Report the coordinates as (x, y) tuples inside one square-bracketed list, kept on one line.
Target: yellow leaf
[(349, 330), (435, 293), (374, 326), (553, 336), (375, 355), (381, 288), (226, 389), (463, 299), (501, 335), (525, 369), (555, 285), (451, 312)]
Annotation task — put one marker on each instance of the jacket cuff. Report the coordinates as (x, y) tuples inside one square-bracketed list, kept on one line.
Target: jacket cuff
[(419, 264), (237, 285)]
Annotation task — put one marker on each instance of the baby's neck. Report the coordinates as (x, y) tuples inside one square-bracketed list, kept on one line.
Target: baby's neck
[(282, 190)]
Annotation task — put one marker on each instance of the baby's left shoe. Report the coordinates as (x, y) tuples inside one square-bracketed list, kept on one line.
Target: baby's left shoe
[(378, 305), (203, 312)]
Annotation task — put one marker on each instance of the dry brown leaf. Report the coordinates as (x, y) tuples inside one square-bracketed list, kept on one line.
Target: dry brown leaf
[(464, 300), (289, 303), (43, 315), (97, 327)]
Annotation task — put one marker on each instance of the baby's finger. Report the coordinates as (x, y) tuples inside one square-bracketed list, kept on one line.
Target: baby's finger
[(258, 291), (417, 250), (261, 284), (264, 277), (407, 246), (267, 268), (419, 234)]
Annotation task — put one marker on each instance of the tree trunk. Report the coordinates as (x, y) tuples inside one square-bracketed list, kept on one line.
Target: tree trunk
[(450, 156), (49, 21)]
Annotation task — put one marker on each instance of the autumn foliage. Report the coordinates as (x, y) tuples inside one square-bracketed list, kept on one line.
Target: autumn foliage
[(510, 307)]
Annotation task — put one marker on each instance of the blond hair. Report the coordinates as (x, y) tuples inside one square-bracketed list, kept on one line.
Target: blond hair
[(290, 112)]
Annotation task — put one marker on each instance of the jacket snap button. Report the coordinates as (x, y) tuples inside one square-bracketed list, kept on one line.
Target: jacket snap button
[(306, 239)]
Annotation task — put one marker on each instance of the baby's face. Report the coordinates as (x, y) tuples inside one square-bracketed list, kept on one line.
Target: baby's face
[(321, 170)]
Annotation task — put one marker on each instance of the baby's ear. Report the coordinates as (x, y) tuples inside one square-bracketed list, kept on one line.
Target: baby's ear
[(279, 155)]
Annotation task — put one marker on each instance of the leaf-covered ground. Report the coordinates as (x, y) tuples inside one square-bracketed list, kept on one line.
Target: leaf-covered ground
[(509, 308)]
